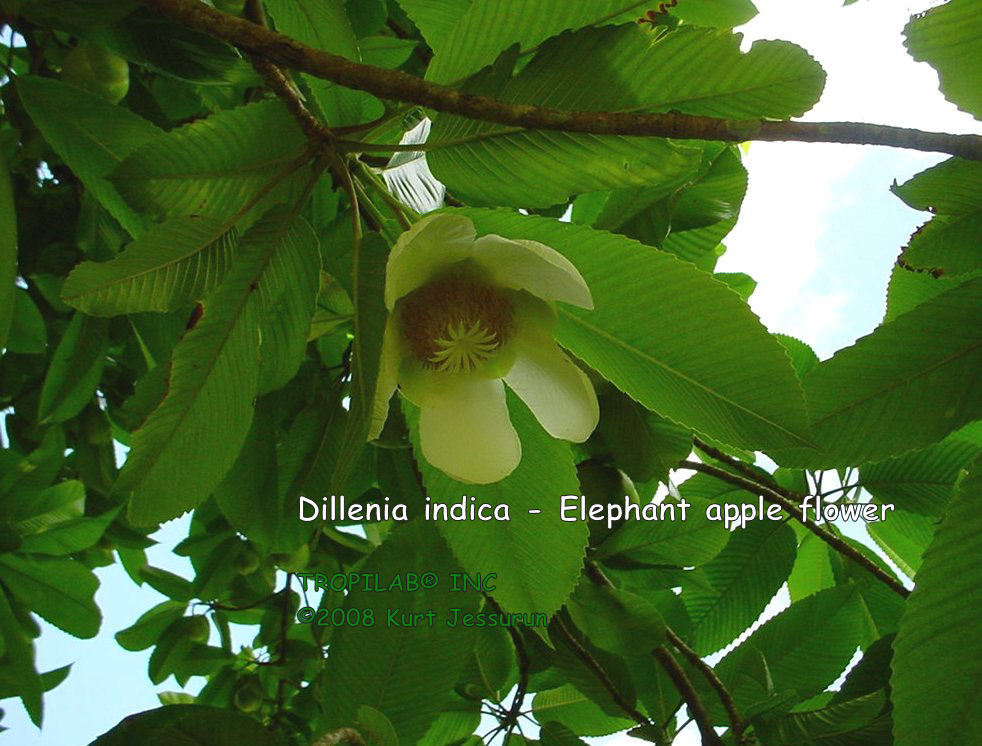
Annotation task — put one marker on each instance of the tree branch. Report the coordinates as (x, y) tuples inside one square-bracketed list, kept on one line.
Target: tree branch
[(708, 673), (788, 505), (675, 672), (601, 675), (393, 84), (598, 576)]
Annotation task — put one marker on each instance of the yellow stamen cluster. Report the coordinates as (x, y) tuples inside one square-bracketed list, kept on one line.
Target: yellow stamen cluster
[(455, 324)]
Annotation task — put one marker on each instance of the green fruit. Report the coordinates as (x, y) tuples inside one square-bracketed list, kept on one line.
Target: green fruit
[(98, 70), (248, 695), (248, 561), (198, 629)]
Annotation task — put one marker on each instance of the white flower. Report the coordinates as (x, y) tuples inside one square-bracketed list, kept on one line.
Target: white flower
[(466, 316)]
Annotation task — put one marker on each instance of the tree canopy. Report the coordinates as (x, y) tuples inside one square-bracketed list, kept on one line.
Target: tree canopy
[(413, 304)]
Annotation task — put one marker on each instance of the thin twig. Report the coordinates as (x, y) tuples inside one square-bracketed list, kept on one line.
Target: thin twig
[(664, 656), (599, 673), (709, 674), (393, 84), (597, 575), (776, 498), (284, 88), (746, 469)]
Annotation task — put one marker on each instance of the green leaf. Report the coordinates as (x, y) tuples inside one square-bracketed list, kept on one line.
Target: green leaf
[(910, 288), (937, 664), (19, 656), (904, 537), (68, 537), (174, 49), (856, 721), (381, 664), (375, 727), (75, 369), (946, 37), (324, 25), (616, 620), (214, 166), (690, 542), (733, 589), (644, 445), (921, 481), (469, 36), (288, 296), (906, 385), (514, 549), (435, 20), (804, 648), (952, 190), (188, 725), (812, 568), (490, 164), (718, 13), (8, 251), (670, 336), (803, 357), (214, 374), (172, 264), (93, 140), (146, 631), (60, 590), (568, 706), (28, 334), (368, 273)]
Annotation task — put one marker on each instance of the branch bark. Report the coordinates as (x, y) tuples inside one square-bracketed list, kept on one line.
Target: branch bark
[(676, 673), (792, 509), (392, 84)]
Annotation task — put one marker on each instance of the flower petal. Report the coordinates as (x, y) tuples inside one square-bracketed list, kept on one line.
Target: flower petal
[(388, 376), (465, 431), (559, 394), (532, 266), (432, 243)]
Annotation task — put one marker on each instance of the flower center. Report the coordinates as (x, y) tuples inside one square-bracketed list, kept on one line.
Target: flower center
[(456, 324)]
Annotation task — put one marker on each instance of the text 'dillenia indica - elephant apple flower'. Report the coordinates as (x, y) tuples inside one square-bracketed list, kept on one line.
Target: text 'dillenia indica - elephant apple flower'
[(466, 316)]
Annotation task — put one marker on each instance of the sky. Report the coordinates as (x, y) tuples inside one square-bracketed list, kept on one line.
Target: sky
[(819, 231)]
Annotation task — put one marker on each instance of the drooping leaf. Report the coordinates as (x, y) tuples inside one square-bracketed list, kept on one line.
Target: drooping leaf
[(215, 165), (906, 385), (946, 37), (791, 653), (515, 548), (19, 654), (381, 664), (670, 336), (937, 665), (59, 589), (570, 707), (75, 369), (732, 590), (369, 287), (92, 141), (187, 724), (920, 481), (213, 380), (8, 251), (468, 36), (904, 537), (172, 264), (28, 334)]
